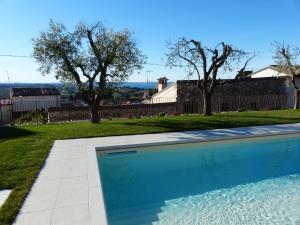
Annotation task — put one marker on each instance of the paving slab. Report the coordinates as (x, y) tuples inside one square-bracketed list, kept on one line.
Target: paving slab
[(3, 196)]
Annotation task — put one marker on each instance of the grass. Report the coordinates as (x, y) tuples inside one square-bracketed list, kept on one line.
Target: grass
[(23, 149)]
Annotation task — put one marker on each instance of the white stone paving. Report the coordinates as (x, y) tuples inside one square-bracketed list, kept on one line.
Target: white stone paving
[(68, 189), (3, 196)]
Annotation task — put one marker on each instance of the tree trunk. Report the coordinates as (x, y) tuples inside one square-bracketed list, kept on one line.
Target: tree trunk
[(296, 98), (207, 104), (95, 118)]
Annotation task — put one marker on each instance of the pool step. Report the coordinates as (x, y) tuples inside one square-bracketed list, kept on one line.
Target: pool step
[(144, 215), (179, 211)]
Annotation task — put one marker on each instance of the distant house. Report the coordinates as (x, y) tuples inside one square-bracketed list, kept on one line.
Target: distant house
[(31, 99), (265, 82), (164, 93), (269, 71)]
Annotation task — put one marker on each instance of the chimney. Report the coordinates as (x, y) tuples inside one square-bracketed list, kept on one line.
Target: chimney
[(162, 83)]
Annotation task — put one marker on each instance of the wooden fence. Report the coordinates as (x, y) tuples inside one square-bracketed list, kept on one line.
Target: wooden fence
[(69, 113), (219, 104)]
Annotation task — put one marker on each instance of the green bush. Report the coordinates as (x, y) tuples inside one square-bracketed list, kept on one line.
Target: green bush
[(38, 116), (161, 114), (241, 109)]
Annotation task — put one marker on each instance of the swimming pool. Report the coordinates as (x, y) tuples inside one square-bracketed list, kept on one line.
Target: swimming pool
[(243, 181)]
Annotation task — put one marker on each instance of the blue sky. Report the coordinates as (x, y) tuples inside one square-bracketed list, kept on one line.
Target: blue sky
[(249, 25)]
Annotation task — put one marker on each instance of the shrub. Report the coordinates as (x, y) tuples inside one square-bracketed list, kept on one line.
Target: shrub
[(241, 110), (268, 108), (176, 114), (161, 114), (39, 116), (116, 115), (130, 115)]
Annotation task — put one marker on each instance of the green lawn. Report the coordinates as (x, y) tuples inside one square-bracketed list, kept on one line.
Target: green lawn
[(23, 149)]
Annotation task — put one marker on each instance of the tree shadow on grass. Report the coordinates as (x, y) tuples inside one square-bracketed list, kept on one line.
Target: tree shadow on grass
[(187, 125), (261, 117), (216, 122), (14, 132)]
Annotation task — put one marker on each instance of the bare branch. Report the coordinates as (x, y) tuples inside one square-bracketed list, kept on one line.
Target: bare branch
[(209, 60), (241, 73)]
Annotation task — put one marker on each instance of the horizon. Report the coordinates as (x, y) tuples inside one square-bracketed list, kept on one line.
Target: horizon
[(251, 26)]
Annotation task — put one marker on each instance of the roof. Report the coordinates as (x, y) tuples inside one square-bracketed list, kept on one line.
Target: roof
[(15, 92), (5, 101), (249, 79), (163, 90), (277, 68), (274, 67)]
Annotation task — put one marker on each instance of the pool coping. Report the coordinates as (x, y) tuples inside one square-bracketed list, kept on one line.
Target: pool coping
[(4, 193), (272, 132), (90, 210)]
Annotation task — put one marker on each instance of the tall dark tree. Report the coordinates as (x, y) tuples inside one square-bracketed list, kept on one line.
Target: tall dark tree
[(90, 56), (287, 59), (206, 64)]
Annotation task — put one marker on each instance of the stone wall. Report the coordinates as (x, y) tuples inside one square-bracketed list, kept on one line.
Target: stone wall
[(187, 89)]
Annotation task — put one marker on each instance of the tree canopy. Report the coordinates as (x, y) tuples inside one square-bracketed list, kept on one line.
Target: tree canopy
[(91, 56), (287, 59)]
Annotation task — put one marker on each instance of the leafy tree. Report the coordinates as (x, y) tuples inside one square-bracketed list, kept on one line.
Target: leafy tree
[(206, 64), (287, 59), (91, 56)]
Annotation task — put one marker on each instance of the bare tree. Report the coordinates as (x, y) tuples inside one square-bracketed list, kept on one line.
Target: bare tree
[(91, 56), (287, 59), (206, 64)]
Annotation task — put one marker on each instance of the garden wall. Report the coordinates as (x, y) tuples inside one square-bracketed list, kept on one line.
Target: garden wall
[(114, 111), (219, 104)]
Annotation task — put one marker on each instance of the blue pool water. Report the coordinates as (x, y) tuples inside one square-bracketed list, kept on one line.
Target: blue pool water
[(244, 181)]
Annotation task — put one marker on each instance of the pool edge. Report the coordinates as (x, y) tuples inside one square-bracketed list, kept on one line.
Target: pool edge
[(269, 130)]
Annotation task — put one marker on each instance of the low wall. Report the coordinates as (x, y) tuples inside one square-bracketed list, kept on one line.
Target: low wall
[(219, 104), (115, 111)]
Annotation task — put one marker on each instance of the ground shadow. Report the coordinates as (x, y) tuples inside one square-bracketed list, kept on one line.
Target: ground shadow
[(217, 122), (262, 117), (14, 132)]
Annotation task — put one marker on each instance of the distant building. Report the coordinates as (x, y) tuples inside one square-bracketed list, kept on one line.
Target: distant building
[(269, 71), (30, 99), (267, 81), (165, 93)]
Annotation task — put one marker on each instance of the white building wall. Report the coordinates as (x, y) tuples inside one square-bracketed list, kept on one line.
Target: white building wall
[(32, 103), (268, 72), (169, 94)]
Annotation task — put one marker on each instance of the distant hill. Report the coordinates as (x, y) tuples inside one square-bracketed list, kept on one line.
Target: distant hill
[(142, 85), (66, 89)]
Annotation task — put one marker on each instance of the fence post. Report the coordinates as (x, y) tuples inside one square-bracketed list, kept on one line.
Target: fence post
[(1, 116), (69, 113), (276, 100)]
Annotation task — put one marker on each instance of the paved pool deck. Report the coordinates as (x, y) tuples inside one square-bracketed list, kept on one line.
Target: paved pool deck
[(3, 196), (68, 189)]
